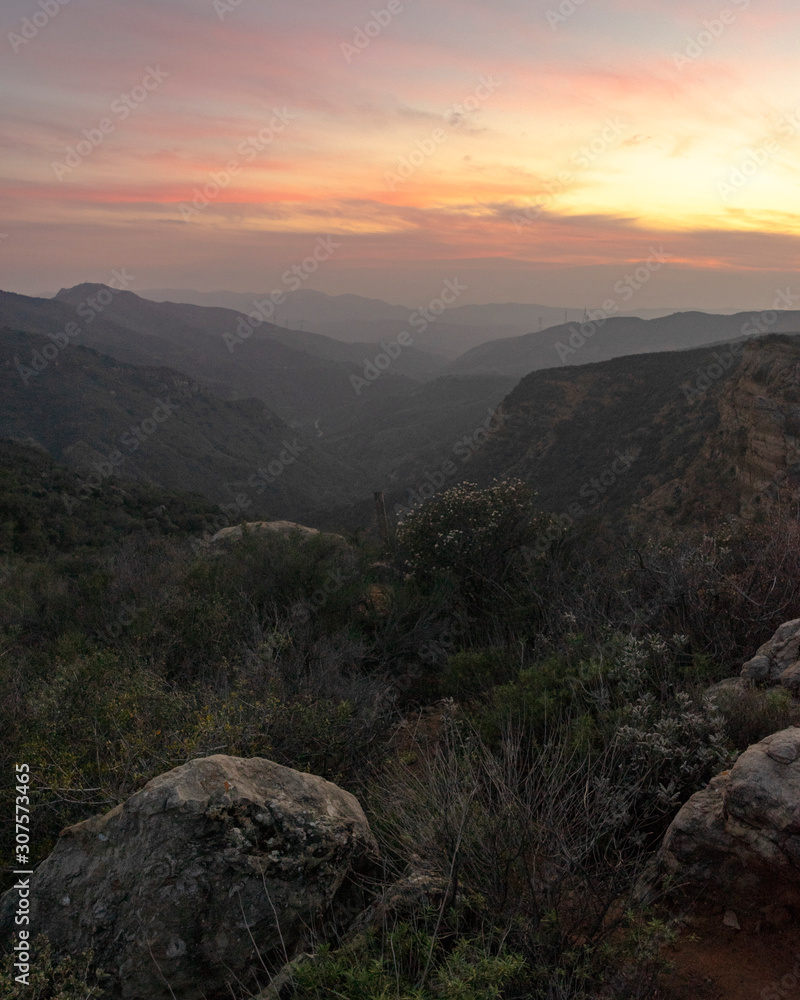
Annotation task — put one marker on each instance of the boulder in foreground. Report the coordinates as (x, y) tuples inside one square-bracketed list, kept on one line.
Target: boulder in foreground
[(736, 843), (215, 871), (777, 661)]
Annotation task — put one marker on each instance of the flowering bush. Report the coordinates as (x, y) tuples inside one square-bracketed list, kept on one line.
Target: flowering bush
[(475, 536)]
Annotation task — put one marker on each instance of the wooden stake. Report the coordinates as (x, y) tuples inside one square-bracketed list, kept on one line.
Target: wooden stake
[(383, 521)]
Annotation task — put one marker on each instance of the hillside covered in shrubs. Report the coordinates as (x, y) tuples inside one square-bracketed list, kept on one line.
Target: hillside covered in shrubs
[(520, 707)]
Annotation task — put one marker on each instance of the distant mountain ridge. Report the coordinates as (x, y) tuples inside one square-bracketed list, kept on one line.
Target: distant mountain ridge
[(301, 385), (353, 318), (617, 336), (281, 424), (360, 433)]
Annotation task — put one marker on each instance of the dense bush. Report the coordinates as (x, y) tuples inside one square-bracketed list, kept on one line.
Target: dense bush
[(474, 537), (750, 715), (409, 961)]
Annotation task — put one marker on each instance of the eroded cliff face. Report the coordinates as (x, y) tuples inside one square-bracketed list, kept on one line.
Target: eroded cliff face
[(705, 435), (760, 422), (751, 460)]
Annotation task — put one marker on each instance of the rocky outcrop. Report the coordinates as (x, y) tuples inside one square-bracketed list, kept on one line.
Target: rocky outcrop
[(736, 843), (276, 527), (216, 871), (777, 661)]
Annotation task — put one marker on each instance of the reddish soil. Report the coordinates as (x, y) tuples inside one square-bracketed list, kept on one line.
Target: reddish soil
[(714, 962)]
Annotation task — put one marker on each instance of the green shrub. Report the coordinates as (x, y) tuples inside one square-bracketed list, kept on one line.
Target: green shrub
[(525, 831), (475, 537), (473, 672), (73, 978), (749, 716), (410, 961)]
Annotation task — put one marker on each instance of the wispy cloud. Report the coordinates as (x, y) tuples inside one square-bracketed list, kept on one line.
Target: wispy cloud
[(684, 127)]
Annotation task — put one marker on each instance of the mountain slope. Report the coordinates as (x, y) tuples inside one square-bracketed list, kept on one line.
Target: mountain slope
[(418, 431), (35, 519), (183, 324), (105, 417), (683, 436), (356, 318), (300, 387), (581, 344)]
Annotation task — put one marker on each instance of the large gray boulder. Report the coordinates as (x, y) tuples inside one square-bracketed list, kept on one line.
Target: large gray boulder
[(216, 871), (777, 661), (736, 843)]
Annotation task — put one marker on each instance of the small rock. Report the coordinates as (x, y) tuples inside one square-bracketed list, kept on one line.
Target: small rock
[(287, 528), (758, 670), (730, 920), (782, 754)]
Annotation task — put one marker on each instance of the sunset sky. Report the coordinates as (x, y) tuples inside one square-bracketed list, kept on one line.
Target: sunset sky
[(536, 149)]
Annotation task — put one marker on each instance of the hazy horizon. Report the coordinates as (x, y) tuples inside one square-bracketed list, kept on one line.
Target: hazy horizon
[(537, 151)]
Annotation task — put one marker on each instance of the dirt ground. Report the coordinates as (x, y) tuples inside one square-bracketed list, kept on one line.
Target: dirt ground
[(714, 962)]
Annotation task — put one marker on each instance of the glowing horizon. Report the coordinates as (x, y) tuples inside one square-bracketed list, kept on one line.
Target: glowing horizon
[(204, 144)]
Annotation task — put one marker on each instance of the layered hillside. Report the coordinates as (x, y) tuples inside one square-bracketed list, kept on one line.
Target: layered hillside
[(685, 436), (108, 418), (299, 386), (356, 318)]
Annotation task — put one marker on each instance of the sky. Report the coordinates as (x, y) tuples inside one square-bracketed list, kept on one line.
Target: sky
[(537, 150)]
